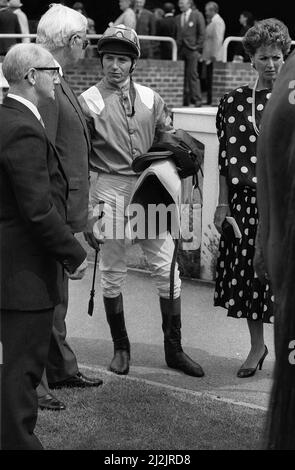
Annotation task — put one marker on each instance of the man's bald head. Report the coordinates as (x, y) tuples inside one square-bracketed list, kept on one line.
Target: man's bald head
[(21, 58)]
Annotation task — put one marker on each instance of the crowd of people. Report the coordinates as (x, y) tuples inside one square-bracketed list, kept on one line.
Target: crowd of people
[(199, 36), (64, 157)]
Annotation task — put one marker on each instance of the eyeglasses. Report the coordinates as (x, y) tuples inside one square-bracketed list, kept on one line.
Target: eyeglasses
[(85, 42), (55, 70)]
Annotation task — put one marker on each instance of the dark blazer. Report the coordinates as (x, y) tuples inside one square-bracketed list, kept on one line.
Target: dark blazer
[(166, 27), (8, 24), (192, 35), (35, 241), (67, 129), (146, 26), (275, 173)]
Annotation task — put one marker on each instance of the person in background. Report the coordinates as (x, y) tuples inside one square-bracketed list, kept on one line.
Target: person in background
[(37, 248), (190, 39), (159, 13), (166, 26), (212, 50), (62, 31), (275, 259), (124, 118), (246, 20), (145, 26), (79, 6), (15, 6), (128, 17), (238, 288), (9, 24)]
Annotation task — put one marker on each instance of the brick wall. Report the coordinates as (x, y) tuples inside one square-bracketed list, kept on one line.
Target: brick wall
[(164, 76), (230, 75)]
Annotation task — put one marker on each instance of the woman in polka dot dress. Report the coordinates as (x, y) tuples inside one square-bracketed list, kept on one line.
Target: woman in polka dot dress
[(238, 288)]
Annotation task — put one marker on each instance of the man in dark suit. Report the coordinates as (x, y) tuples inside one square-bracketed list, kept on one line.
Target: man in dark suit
[(37, 248), (145, 26), (67, 129), (8, 25), (190, 38), (166, 27)]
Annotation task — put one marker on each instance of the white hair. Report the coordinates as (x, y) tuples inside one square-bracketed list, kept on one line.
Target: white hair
[(58, 24), (21, 57)]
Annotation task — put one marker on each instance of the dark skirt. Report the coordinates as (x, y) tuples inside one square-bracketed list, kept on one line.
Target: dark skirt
[(237, 286)]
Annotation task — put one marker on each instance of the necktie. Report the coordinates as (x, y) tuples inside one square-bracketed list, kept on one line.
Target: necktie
[(183, 19)]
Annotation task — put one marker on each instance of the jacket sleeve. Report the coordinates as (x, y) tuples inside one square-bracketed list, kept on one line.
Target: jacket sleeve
[(201, 27), (27, 167)]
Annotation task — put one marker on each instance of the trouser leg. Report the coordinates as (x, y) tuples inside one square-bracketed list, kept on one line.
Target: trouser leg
[(194, 84), (114, 191), (209, 80), (62, 362), (25, 338)]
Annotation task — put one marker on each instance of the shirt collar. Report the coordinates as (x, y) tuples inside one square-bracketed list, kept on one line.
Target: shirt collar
[(27, 103), (187, 13), (60, 67)]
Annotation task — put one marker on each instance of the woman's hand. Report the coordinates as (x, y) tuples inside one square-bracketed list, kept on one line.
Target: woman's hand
[(222, 210)]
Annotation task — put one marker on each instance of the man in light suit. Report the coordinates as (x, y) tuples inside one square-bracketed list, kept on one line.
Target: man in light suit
[(145, 26), (37, 248), (16, 7), (190, 38), (214, 37), (62, 31)]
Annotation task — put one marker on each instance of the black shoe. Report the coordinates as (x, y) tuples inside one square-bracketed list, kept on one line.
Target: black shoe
[(120, 362), (50, 402), (78, 380), (183, 362), (244, 373)]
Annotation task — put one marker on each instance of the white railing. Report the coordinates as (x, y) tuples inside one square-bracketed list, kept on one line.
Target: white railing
[(97, 36), (230, 39)]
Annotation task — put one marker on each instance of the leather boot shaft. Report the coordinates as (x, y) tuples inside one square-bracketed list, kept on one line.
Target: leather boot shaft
[(115, 317), (175, 357)]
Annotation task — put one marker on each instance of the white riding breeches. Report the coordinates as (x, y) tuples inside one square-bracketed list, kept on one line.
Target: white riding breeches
[(115, 191)]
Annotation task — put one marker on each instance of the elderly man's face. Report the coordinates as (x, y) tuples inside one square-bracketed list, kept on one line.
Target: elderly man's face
[(209, 12), (77, 43), (184, 5), (46, 78)]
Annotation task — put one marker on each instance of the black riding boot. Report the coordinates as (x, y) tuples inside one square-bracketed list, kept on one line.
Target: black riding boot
[(115, 318), (171, 325)]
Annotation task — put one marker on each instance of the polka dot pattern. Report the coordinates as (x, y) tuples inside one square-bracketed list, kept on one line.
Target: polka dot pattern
[(237, 287), (237, 136)]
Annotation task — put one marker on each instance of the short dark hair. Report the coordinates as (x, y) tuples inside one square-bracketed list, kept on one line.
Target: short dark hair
[(270, 31), (168, 7), (249, 16)]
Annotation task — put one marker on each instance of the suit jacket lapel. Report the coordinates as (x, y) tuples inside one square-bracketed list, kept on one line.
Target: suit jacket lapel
[(11, 103), (73, 99)]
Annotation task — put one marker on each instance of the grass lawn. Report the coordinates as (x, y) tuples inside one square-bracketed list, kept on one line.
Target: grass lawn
[(127, 415)]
